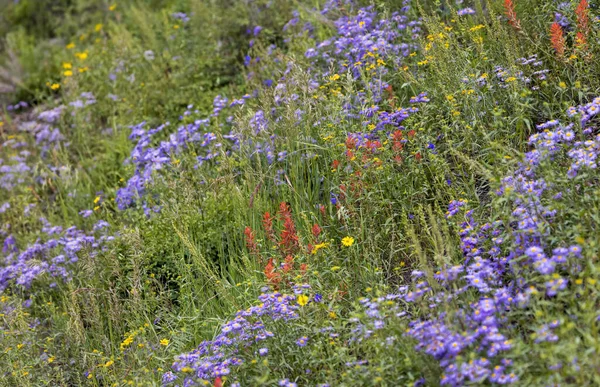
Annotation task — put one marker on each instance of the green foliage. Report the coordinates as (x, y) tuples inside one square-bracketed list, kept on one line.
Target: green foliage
[(195, 249)]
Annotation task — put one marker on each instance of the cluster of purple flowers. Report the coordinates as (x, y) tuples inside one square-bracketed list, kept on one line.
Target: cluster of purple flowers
[(18, 106), (454, 207), (466, 11), (87, 99), (18, 169), (54, 257), (366, 40), (504, 266), (214, 358), (183, 17), (148, 157), (529, 74)]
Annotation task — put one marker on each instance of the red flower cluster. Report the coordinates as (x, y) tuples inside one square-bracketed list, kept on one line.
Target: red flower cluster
[(583, 24), (288, 243), (511, 14), (557, 39)]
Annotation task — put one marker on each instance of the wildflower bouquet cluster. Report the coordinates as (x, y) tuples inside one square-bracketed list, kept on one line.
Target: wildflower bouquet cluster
[(308, 194)]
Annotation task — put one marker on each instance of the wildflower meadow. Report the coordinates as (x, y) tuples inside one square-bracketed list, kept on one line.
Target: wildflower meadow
[(298, 193)]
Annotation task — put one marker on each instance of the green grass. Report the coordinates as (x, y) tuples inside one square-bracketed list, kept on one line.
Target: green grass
[(170, 279)]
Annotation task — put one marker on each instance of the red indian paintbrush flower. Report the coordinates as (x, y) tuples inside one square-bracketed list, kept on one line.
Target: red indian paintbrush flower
[(511, 14), (316, 230), (250, 242), (322, 210), (289, 242), (268, 226), (583, 24), (557, 39), (583, 19), (270, 273), (288, 264)]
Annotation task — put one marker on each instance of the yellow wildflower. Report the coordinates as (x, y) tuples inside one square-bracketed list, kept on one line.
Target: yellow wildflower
[(348, 241), (164, 342), (98, 27), (319, 247), (302, 300), (68, 73)]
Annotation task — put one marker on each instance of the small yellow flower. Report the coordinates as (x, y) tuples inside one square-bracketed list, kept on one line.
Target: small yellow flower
[(348, 241), (51, 359), (70, 46), (97, 199), (98, 27), (332, 314), (83, 69), (82, 55), (68, 73), (55, 86), (112, 7), (319, 247), (562, 85), (164, 342), (127, 342), (67, 65), (302, 300), (109, 363)]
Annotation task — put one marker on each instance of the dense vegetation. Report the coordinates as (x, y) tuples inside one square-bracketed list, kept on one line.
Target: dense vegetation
[(299, 193)]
